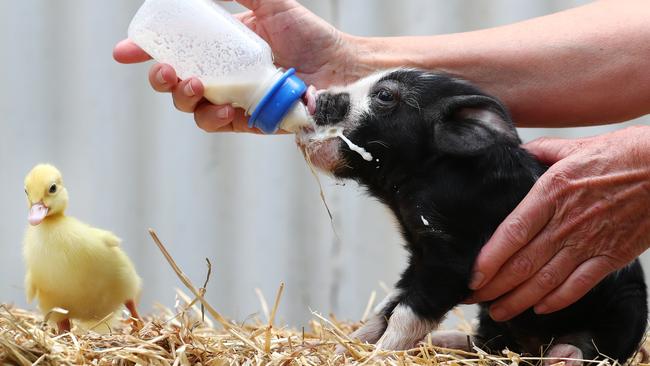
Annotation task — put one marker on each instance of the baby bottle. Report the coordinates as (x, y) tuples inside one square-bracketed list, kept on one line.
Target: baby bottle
[(201, 39)]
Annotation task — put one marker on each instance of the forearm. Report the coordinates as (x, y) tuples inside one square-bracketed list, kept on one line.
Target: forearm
[(585, 66)]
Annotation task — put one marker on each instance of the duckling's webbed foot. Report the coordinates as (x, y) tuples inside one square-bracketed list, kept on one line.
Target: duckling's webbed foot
[(63, 326), (135, 320), (130, 305)]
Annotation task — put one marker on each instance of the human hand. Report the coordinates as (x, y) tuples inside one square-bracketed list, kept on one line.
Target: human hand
[(586, 217), (321, 54)]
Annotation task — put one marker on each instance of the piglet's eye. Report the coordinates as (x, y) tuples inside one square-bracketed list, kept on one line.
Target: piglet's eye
[(53, 188), (385, 96)]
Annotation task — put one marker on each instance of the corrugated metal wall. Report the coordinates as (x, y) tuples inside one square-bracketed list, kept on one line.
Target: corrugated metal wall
[(249, 203)]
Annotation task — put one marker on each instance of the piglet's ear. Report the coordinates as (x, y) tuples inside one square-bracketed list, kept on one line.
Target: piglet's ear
[(470, 123)]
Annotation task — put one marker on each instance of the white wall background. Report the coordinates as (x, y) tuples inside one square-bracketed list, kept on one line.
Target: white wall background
[(249, 203)]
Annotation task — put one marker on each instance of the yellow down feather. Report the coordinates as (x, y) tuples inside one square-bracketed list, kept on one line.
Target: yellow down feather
[(70, 264)]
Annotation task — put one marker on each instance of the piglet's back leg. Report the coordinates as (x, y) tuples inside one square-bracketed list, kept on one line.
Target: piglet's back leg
[(621, 335), (493, 337)]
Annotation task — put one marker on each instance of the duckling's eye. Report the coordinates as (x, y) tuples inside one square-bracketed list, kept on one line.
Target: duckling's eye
[(53, 188), (26, 192)]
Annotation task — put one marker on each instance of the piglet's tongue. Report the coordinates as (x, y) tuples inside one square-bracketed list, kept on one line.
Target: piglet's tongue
[(37, 213), (310, 99)]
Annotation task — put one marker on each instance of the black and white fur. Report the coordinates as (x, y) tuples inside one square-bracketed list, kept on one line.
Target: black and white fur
[(446, 160)]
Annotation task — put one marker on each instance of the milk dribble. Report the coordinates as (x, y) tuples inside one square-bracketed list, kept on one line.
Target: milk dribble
[(200, 39)]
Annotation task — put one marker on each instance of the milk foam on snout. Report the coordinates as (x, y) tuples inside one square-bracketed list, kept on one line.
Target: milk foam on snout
[(322, 134)]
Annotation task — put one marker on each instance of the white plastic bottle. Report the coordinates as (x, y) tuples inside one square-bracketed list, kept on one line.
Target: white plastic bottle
[(201, 39)]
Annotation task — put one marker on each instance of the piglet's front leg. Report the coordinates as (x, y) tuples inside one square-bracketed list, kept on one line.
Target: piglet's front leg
[(396, 327), (428, 289), (405, 329), (393, 326), (375, 326)]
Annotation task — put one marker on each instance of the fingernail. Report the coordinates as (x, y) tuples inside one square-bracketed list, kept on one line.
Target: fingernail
[(477, 280), (541, 309), (222, 113), (187, 90), (159, 76), (497, 313)]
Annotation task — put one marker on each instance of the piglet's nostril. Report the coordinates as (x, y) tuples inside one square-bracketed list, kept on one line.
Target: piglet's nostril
[(331, 108)]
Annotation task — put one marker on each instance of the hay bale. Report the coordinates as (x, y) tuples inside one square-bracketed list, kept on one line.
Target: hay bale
[(186, 336), (181, 337)]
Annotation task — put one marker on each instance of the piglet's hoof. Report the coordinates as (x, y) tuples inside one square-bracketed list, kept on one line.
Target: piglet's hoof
[(643, 356), (370, 332), (569, 354), (453, 339)]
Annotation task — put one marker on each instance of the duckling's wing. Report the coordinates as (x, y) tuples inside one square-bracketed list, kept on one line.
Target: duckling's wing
[(107, 237)]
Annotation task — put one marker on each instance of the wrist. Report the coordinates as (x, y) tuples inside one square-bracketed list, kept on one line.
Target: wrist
[(366, 55), (354, 51), (441, 52), (378, 53)]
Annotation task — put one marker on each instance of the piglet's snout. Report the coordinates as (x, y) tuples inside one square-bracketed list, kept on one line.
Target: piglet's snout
[(331, 108)]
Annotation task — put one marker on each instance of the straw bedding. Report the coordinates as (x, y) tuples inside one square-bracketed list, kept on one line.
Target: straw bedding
[(188, 335)]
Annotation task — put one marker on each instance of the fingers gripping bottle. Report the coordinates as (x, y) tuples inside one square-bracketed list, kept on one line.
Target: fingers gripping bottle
[(201, 39)]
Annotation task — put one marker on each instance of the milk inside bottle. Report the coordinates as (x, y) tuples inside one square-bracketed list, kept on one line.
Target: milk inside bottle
[(201, 39)]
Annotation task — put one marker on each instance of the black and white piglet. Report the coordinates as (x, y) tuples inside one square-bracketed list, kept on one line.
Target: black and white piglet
[(445, 158)]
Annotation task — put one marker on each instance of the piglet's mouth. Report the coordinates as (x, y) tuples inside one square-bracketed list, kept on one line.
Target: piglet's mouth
[(321, 146), (320, 150), (309, 98)]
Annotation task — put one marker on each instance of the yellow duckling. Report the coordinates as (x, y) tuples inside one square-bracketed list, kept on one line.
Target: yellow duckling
[(71, 265)]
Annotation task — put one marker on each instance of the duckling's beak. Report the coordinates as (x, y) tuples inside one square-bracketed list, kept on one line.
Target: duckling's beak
[(37, 213)]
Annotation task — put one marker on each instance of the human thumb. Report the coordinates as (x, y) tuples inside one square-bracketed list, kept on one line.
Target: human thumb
[(550, 150)]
